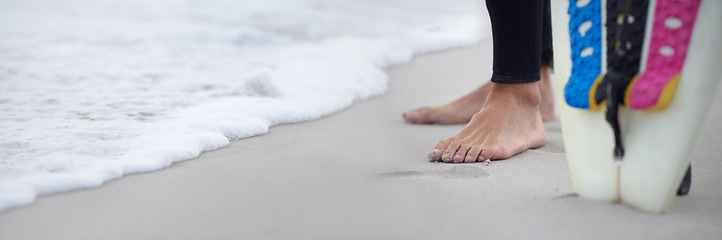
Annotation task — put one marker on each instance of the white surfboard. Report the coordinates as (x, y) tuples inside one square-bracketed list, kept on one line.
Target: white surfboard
[(658, 143)]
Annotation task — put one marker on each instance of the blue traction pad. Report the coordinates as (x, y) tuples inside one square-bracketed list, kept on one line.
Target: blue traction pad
[(585, 70)]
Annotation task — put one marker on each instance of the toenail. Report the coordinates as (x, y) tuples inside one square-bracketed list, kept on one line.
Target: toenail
[(434, 154), (481, 158), (458, 157), (469, 158), (447, 157)]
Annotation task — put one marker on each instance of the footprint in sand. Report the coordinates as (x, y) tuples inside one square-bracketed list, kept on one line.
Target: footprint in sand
[(455, 172)]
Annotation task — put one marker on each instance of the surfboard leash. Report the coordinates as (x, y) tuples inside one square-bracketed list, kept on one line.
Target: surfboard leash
[(625, 38)]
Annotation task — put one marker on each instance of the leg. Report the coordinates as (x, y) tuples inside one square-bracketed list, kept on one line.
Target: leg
[(547, 53), (509, 122), (463, 109)]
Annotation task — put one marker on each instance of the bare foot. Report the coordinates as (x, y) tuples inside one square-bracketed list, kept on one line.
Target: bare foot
[(459, 111), (463, 109), (547, 94), (508, 123)]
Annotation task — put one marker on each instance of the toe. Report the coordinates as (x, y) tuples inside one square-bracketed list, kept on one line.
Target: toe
[(411, 116), (488, 153), (504, 153), (443, 145), (450, 151), (416, 115), (460, 154), (498, 153), (435, 155), (458, 158), (473, 154)]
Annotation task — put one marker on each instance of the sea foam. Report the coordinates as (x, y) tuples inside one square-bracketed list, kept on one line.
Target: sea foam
[(91, 90)]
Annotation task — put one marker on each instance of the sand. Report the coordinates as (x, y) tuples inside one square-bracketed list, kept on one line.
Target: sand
[(363, 174)]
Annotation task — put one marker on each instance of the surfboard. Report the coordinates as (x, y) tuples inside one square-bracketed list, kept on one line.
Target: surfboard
[(657, 141)]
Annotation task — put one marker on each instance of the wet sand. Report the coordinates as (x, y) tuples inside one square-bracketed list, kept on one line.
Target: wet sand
[(363, 174)]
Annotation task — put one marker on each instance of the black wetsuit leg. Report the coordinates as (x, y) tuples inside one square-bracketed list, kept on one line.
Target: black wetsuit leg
[(547, 54), (519, 44)]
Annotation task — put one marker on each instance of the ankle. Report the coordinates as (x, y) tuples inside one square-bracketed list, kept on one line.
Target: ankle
[(523, 94)]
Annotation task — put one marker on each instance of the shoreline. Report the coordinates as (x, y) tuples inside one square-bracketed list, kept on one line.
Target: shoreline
[(362, 173)]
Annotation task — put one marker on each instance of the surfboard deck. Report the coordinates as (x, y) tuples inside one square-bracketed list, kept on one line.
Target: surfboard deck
[(658, 143)]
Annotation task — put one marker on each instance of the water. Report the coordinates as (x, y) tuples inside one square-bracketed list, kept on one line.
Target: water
[(91, 90)]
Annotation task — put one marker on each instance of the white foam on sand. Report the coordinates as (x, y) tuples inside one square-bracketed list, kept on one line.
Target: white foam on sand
[(91, 90)]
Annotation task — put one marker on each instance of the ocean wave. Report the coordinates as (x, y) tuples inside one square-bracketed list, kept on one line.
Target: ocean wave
[(91, 90)]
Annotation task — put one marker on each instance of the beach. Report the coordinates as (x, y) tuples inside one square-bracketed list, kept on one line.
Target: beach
[(362, 173), (94, 91)]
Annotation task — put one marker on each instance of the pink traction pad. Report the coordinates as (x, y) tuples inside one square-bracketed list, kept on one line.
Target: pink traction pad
[(662, 67)]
